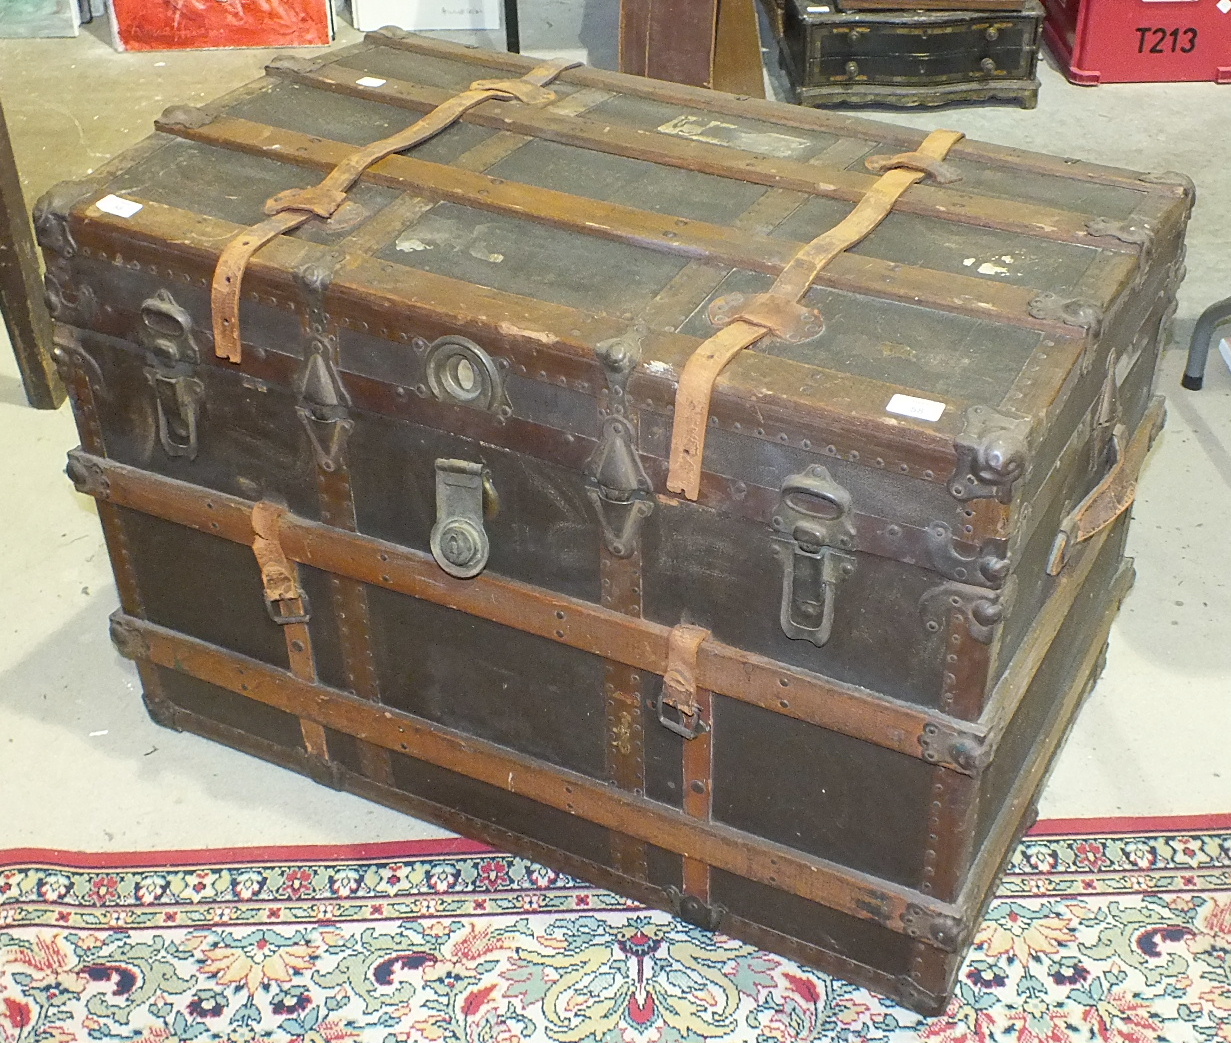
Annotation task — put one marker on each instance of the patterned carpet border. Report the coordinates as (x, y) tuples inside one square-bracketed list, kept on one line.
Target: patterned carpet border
[(1115, 930)]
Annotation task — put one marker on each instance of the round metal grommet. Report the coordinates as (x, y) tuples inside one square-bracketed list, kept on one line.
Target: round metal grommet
[(461, 373)]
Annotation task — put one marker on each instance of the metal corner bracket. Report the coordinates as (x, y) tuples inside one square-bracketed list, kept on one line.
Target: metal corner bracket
[(991, 455), (128, 640), (945, 741), (693, 910), (943, 930), (982, 609)]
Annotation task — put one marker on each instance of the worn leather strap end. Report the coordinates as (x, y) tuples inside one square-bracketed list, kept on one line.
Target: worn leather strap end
[(531, 88), (528, 93), (278, 576), (680, 680), (227, 287), (783, 318)]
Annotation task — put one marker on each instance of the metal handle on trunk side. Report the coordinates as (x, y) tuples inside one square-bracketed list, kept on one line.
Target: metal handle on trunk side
[(1113, 495)]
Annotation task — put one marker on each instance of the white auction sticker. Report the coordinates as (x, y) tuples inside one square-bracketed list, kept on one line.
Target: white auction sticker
[(370, 81), (919, 408), (118, 205)]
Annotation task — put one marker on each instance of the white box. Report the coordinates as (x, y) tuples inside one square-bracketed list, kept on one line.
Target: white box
[(421, 15)]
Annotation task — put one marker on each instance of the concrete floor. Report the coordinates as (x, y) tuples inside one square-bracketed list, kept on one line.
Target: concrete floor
[(82, 767)]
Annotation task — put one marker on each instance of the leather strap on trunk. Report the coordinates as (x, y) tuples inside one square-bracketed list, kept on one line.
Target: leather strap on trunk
[(278, 574), (745, 320), (288, 606), (680, 680), (288, 210), (695, 708)]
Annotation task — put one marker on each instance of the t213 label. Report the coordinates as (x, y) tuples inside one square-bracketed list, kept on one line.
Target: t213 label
[(1166, 41)]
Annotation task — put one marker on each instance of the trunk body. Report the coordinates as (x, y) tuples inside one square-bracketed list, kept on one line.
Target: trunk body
[(449, 434), (910, 58)]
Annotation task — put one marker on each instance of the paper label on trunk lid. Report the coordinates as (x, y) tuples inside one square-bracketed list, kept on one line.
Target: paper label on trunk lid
[(919, 408), (714, 132), (118, 205)]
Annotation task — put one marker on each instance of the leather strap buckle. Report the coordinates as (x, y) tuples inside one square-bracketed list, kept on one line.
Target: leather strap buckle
[(285, 600), (679, 690)]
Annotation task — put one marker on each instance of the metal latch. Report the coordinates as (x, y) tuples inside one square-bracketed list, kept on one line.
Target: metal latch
[(464, 495), (813, 514), (166, 334)]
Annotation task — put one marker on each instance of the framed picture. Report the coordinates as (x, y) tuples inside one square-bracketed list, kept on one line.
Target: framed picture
[(162, 25)]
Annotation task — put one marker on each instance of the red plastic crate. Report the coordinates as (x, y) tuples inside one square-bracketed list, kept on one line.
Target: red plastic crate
[(1138, 41)]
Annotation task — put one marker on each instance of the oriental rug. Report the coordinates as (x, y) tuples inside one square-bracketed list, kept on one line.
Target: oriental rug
[(1113, 930)]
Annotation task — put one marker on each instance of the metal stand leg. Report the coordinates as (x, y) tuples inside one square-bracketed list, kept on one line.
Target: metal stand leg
[(1199, 347), (512, 31)]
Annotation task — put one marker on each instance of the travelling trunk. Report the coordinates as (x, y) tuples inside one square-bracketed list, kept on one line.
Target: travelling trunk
[(843, 54), (718, 500)]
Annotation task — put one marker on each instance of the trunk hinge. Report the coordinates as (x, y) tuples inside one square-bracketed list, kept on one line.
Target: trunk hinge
[(616, 483), (324, 403), (814, 517), (173, 355)]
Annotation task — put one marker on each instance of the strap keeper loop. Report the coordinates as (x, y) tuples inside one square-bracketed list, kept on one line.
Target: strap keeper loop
[(782, 317), (519, 90), (937, 169), (319, 200)]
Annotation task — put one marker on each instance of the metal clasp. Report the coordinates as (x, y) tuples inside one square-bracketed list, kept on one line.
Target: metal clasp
[(166, 334), (689, 723), (464, 495), (813, 515), (178, 401)]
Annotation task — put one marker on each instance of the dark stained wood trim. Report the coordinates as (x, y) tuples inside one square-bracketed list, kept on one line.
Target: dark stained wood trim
[(708, 243), (1024, 793), (516, 843), (952, 816), (837, 887), (741, 495), (635, 642), (766, 397), (945, 204), (1013, 684), (800, 116)]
